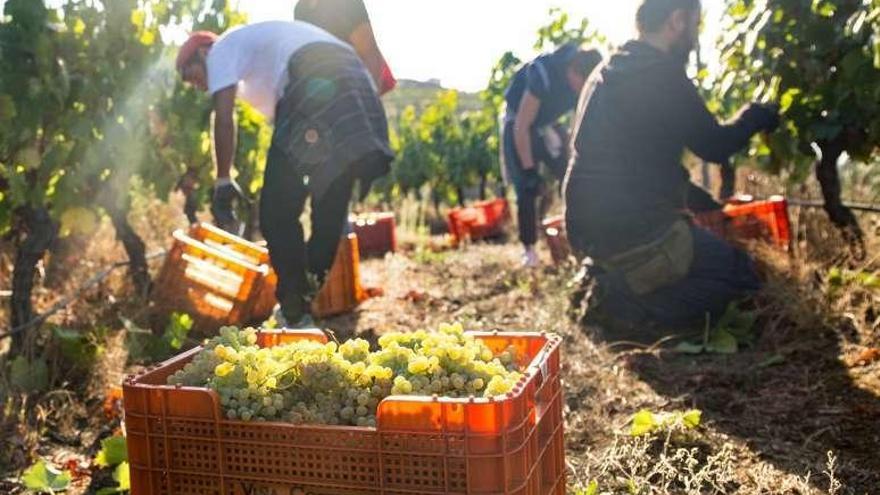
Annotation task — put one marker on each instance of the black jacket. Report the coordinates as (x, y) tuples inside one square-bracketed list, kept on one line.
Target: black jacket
[(626, 184)]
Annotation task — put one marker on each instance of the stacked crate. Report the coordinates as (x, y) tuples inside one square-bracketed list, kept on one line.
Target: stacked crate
[(215, 285), (221, 279)]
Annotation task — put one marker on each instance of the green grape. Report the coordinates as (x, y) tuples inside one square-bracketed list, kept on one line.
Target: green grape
[(313, 383)]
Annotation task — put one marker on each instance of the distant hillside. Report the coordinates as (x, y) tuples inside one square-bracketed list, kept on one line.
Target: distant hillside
[(421, 93)]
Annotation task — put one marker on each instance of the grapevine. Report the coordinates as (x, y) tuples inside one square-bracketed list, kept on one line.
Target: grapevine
[(343, 384)]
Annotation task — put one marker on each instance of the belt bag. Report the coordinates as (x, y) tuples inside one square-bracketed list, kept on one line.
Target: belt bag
[(659, 264)]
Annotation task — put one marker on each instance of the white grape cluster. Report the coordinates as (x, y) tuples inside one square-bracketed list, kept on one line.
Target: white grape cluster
[(329, 384)]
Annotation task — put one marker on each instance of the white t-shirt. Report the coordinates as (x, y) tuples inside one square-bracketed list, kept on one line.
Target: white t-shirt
[(256, 56)]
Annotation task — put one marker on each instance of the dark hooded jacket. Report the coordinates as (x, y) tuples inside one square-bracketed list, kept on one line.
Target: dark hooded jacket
[(626, 184)]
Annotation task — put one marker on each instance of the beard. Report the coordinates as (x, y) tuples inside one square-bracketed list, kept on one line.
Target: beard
[(682, 49)]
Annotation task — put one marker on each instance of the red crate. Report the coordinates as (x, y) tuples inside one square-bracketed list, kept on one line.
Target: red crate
[(180, 443), (211, 284), (557, 240), (746, 220), (377, 233), (483, 220)]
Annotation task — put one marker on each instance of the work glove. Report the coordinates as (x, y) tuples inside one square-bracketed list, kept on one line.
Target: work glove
[(226, 192), (531, 180), (762, 117)]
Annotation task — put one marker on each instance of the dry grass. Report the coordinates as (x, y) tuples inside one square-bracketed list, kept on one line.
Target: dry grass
[(771, 413)]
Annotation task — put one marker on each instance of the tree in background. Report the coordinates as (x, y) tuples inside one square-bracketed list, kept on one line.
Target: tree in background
[(84, 92), (449, 151), (442, 151), (820, 60), (69, 78)]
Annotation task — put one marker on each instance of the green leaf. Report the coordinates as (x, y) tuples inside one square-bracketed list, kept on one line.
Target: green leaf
[(43, 478), (632, 487), (29, 376), (722, 342), (877, 54), (122, 476), (178, 329), (835, 277), (113, 452), (824, 8), (691, 419), (788, 99), (869, 280), (689, 348), (591, 489), (643, 423)]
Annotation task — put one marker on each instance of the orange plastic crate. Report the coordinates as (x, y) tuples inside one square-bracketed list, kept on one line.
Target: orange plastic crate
[(377, 233), (557, 240), (263, 297), (483, 220), (342, 291), (180, 443), (236, 246), (748, 220), (207, 282)]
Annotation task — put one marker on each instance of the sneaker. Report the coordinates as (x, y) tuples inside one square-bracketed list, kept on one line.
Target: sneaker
[(277, 320), (304, 323), (530, 259)]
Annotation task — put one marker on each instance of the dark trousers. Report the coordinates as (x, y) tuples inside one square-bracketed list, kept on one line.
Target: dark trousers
[(527, 214), (301, 267), (720, 274), (529, 185)]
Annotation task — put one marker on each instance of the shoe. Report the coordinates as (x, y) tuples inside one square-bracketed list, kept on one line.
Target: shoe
[(277, 320), (304, 323), (530, 259)]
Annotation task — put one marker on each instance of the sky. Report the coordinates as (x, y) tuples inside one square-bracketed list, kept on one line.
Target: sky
[(458, 41)]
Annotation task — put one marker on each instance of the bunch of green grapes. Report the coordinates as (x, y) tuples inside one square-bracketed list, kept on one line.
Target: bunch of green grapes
[(197, 372), (311, 383), (447, 363)]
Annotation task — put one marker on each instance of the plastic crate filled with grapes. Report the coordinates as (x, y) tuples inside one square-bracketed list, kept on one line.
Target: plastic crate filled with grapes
[(444, 411)]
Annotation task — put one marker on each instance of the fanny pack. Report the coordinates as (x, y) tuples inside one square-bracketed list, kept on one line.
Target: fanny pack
[(658, 264)]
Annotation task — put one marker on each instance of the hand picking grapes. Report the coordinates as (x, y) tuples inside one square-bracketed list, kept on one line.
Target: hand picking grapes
[(342, 384)]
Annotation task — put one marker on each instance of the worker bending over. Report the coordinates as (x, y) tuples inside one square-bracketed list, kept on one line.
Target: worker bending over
[(330, 131), (539, 94)]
